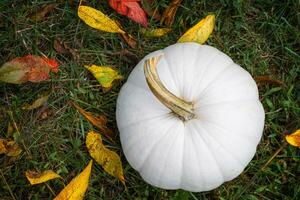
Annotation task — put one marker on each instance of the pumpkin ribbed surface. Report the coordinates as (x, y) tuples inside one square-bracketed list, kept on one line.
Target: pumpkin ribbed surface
[(202, 153)]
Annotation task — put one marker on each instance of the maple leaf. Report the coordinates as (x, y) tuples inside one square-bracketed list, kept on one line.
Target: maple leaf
[(131, 9)]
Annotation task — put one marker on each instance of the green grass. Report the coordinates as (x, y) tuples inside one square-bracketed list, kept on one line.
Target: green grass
[(262, 36)]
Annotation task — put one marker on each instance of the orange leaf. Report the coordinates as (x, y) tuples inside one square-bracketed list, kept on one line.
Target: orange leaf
[(98, 121), (294, 138), (27, 68)]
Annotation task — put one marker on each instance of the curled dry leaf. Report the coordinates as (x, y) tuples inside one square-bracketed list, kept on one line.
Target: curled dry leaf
[(147, 6), (63, 48), (170, 12), (9, 147), (98, 121), (28, 68), (109, 160), (294, 138), (38, 102), (129, 39), (76, 189), (36, 178), (261, 80), (200, 32), (131, 9), (41, 14), (105, 75), (96, 19), (159, 32)]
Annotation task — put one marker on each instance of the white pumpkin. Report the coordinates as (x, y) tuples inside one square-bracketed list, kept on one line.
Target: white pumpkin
[(204, 134)]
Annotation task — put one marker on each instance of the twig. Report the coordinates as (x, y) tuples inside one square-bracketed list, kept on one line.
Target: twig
[(272, 157), (51, 190), (8, 187)]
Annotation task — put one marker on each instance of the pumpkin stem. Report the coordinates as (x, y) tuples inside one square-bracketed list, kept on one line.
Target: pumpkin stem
[(185, 110)]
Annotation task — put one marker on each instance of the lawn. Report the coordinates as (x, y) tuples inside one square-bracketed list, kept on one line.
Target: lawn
[(262, 36)]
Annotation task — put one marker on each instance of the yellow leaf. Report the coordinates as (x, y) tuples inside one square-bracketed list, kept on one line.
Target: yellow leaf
[(37, 178), (98, 121), (9, 147), (294, 138), (159, 32), (98, 20), (109, 160), (105, 75), (200, 32), (76, 189), (37, 103)]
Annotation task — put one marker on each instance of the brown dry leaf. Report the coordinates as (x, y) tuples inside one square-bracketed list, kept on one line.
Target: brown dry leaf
[(36, 178), (76, 189), (9, 147), (96, 19), (261, 80), (159, 32), (98, 121), (170, 12), (126, 55), (109, 160), (294, 138), (129, 39), (38, 102), (147, 6), (63, 48), (10, 130), (40, 15), (200, 32)]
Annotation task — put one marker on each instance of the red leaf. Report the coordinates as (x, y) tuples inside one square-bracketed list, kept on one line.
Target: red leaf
[(130, 8), (27, 68)]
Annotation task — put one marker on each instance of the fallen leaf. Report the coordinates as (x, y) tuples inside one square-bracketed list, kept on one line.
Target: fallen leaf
[(98, 121), (40, 15), (38, 102), (131, 9), (261, 80), (159, 32), (126, 53), (10, 130), (105, 75), (9, 147), (36, 178), (63, 48), (200, 32), (129, 39), (170, 12), (76, 189), (294, 138), (147, 6), (109, 160), (28, 68), (96, 19), (58, 46)]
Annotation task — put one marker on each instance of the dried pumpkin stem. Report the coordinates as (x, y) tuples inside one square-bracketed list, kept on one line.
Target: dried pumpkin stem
[(185, 110)]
